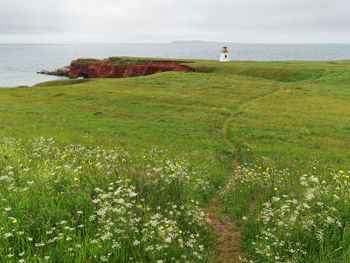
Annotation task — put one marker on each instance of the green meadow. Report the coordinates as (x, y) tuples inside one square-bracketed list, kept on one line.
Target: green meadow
[(121, 170)]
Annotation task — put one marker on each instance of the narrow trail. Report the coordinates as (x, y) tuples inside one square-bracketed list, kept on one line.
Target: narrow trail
[(226, 234)]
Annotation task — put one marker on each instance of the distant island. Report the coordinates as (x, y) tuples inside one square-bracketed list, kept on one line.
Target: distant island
[(190, 41)]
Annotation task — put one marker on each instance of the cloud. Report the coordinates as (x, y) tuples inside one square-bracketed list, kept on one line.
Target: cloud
[(165, 20)]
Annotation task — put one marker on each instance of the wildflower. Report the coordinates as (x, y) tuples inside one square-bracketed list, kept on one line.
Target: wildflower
[(306, 205), (180, 232), (76, 179), (341, 171), (275, 188), (139, 206), (192, 201), (14, 221), (7, 235), (329, 220), (309, 196)]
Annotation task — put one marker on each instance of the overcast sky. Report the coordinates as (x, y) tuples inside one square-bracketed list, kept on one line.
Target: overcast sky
[(244, 21)]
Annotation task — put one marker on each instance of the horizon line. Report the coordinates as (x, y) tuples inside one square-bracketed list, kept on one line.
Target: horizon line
[(177, 42)]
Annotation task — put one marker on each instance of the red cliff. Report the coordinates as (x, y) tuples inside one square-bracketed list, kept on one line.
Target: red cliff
[(122, 68)]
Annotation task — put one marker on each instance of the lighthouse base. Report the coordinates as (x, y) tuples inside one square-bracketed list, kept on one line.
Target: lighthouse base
[(224, 57)]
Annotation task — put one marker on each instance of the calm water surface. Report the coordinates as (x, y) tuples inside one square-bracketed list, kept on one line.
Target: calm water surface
[(19, 63)]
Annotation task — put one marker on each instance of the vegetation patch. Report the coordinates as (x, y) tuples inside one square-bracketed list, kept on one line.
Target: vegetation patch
[(136, 160)]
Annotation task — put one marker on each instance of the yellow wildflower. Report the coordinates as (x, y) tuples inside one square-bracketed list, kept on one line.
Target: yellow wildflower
[(14, 221)]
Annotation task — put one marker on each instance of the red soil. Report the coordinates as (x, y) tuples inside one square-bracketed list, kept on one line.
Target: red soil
[(100, 69)]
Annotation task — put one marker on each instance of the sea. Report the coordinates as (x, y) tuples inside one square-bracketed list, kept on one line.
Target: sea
[(19, 63)]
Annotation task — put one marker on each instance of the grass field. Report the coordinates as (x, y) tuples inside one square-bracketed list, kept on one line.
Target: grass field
[(118, 170)]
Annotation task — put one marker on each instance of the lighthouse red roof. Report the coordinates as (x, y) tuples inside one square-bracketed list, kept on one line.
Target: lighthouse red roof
[(224, 50)]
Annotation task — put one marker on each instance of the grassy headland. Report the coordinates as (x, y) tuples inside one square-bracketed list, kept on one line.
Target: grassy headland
[(135, 159)]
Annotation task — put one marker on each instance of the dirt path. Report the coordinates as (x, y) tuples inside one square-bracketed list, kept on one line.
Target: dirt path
[(226, 234)]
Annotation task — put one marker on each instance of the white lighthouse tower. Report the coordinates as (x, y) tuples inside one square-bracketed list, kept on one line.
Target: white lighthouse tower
[(224, 55)]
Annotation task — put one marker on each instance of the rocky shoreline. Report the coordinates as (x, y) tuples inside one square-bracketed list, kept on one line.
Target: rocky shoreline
[(64, 71), (117, 68)]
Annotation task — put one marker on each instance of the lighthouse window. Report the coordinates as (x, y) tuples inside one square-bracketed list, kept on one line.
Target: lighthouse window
[(225, 56)]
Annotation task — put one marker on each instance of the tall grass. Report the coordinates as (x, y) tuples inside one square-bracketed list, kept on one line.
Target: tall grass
[(74, 204), (292, 215)]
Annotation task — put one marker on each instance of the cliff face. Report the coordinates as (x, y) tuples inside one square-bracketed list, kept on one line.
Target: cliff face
[(106, 69)]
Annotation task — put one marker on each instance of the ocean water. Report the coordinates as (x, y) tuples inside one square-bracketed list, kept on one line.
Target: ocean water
[(20, 63)]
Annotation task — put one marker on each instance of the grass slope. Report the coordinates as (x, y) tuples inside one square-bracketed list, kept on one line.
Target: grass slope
[(183, 114)]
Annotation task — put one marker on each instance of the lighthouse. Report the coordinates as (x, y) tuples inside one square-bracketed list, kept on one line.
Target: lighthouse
[(224, 55)]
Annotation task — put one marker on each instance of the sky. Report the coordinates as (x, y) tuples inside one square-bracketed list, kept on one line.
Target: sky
[(144, 21)]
